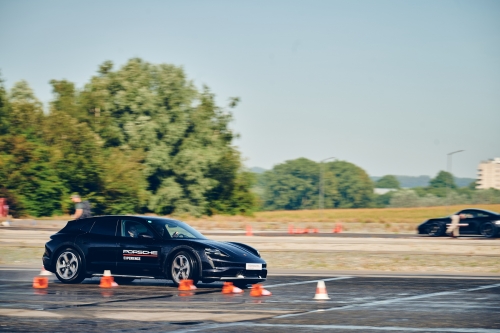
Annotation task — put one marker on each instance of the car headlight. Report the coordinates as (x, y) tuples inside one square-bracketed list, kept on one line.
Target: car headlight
[(497, 222), (215, 253)]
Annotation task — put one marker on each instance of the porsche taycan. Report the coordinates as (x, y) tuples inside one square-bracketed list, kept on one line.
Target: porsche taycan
[(139, 247)]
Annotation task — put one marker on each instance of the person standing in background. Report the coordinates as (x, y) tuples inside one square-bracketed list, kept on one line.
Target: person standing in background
[(454, 228), (82, 209)]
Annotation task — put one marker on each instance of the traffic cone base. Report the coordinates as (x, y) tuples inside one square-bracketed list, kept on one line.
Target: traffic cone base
[(229, 288), (249, 230), (186, 285), (258, 290), (40, 282), (321, 291)]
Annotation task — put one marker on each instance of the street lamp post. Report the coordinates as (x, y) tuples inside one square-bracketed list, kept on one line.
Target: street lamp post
[(321, 203), (449, 171)]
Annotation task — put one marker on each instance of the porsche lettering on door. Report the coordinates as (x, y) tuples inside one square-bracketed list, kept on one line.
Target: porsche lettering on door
[(142, 253)]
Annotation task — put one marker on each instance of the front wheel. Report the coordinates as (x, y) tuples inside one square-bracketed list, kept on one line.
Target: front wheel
[(183, 267), (69, 267), (488, 230), (435, 229)]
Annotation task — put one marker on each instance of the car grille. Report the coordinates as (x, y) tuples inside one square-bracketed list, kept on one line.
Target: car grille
[(220, 264)]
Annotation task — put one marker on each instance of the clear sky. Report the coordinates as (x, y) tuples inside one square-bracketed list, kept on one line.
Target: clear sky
[(392, 86)]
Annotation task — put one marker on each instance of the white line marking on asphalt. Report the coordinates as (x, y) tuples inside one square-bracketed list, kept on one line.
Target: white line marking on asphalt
[(309, 281), (392, 300), (305, 328)]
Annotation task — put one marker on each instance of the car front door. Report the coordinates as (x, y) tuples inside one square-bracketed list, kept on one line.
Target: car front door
[(101, 245), (471, 220), (139, 249)]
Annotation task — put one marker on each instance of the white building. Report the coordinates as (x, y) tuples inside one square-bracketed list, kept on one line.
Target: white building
[(489, 174)]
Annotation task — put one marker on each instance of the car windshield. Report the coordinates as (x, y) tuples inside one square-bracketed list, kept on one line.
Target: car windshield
[(169, 229)]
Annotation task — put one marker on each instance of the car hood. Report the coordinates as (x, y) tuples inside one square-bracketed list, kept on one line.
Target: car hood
[(233, 250)]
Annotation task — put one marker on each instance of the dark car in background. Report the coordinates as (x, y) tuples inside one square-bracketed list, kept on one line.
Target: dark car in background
[(476, 222), (134, 247)]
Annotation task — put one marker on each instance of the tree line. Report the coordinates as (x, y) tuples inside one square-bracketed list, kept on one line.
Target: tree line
[(442, 190), (137, 139), (143, 138)]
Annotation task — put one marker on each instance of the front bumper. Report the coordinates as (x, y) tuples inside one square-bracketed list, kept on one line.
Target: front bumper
[(234, 272)]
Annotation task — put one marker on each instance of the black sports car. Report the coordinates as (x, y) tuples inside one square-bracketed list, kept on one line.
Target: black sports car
[(476, 222), (148, 247)]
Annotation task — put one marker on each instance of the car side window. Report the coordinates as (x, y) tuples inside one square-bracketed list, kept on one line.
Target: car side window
[(104, 227), (134, 229), (469, 214)]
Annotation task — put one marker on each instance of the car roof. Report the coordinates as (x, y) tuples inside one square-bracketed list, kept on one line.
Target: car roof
[(142, 217), (481, 210)]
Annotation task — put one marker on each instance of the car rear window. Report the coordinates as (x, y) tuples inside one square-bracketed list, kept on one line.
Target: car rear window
[(105, 227), (77, 226)]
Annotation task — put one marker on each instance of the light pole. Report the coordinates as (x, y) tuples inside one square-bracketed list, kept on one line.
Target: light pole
[(449, 171), (321, 203)]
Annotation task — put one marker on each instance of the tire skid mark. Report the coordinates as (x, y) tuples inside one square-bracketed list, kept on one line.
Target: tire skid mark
[(308, 281), (305, 328), (117, 301), (390, 301)]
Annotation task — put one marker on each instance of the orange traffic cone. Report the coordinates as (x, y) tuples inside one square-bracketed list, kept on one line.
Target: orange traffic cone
[(107, 280), (229, 288), (258, 290), (315, 230), (186, 285), (321, 291), (41, 281), (338, 228), (249, 230), (290, 228)]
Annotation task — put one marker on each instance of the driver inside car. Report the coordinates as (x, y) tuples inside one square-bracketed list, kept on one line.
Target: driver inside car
[(132, 231)]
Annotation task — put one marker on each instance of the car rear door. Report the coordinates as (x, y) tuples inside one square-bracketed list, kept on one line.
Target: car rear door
[(101, 245), (139, 252)]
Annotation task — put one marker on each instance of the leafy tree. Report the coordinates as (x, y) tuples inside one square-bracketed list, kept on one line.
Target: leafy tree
[(295, 185), (388, 181), (355, 187), (292, 185), (4, 112), (443, 179), (181, 134)]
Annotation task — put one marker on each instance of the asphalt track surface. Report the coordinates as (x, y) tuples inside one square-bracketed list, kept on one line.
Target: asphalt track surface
[(356, 304)]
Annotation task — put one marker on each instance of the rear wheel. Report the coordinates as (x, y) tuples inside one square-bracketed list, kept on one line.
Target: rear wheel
[(69, 267), (488, 230), (435, 229), (183, 267)]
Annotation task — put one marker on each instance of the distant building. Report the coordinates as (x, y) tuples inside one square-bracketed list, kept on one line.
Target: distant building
[(489, 174)]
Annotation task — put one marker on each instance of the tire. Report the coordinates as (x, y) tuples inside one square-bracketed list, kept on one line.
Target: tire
[(488, 230), (435, 229), (123, 280), (182, 267), (69, 267)]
